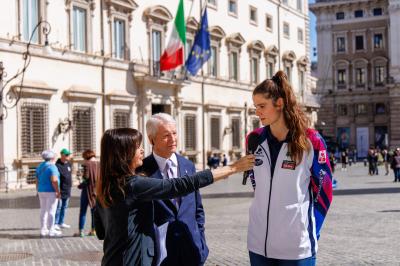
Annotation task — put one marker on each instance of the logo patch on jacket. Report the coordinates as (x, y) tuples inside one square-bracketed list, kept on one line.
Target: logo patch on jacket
[(290, 165), (259, 151), (258, 162), (322, 156)]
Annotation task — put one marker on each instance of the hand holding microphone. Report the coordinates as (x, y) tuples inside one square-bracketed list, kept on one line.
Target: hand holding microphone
[(251, 147)]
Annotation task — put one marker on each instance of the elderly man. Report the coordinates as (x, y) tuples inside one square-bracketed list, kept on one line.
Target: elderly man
[(180, 221)]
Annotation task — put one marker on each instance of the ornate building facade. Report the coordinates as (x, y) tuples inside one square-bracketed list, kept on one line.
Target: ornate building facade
[(359, 72), (100, 69)]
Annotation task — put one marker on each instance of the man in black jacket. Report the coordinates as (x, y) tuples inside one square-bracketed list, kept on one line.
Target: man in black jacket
[(180, 232), (65, 169)]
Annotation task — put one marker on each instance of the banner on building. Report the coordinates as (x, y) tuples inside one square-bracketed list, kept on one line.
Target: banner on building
[(362, 142)]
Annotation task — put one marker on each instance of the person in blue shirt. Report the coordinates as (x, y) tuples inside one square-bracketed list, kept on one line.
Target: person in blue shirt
[(48, 187)]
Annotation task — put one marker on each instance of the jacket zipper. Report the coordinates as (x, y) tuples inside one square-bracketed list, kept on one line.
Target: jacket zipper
[(269, 199)]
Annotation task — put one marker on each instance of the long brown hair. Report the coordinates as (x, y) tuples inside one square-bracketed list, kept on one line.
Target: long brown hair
[(295, 119), (118, 147)]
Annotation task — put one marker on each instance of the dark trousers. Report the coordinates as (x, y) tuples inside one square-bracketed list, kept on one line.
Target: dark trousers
[(258, 260), (83, 210)]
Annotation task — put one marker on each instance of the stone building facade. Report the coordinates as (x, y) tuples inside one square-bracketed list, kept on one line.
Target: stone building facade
[(359, 72), (100, 70)]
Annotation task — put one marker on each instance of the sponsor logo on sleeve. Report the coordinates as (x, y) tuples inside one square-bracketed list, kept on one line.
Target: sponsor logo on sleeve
[(322, 156)]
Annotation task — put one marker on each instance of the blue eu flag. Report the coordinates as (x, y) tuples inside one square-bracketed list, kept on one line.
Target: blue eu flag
[(200, 52)]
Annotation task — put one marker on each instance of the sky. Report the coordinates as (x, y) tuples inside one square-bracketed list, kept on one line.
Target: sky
[(313, 33)]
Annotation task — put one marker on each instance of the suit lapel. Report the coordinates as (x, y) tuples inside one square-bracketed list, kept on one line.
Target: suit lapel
[(157, 174), (181, 172)]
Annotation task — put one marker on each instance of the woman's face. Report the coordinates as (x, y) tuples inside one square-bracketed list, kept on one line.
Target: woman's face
[(137, 160), (266, 111)]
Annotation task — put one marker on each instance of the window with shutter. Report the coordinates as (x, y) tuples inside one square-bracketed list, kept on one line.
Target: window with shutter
[(83, 135), (215, 133), (121, 119), (236, 133), (34, 124), (190, 132)]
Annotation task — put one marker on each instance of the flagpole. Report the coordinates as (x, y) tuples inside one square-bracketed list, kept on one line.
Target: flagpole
[(202, 99)]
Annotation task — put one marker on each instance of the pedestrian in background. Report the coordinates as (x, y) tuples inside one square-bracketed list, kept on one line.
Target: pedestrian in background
[(386, 160), (49, 192), (344, 160), (292, 180), (397, 165), (65, 168), (124, 215), (88, 191)]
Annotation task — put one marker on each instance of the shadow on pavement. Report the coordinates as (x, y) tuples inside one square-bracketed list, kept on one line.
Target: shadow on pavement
[(17, 229), (390, 211), (20, 236), (31, 202)]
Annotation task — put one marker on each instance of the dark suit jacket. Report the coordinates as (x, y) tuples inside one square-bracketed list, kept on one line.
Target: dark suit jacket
[(127, 225), (185, 240)]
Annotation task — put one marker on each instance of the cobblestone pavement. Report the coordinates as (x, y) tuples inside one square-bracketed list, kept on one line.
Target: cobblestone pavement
[(359, 230)]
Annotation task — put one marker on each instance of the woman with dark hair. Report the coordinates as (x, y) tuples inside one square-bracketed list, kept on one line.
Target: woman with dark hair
[(124, 212), (88, 193), (292, 180)]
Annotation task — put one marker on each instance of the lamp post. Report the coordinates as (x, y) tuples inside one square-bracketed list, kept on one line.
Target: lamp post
[(46, 28)]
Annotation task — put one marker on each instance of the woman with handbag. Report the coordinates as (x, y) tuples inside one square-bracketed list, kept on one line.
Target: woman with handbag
[(88, 193)]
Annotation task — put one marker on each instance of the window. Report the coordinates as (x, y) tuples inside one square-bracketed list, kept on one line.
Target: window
[(358, 14), (299, 5), (286, 30), (378, 41), (342, 109), (83, 129), (253, 15), (301, 81), (377, 11), (212, 2), (270, 70), (30, 17), (34, 136), (379, 75), (254, 70), (268, 22), (300, 35), (341, 78), (213, 62), (119, 38), (255, 123), (380, 108), (340, 44), (189, 44), (232, 7), (361, 109), (339, 15), (156, 51), (121, 119), (79, 27), (190, 132), (234, 66), (288, 72), (215, 133), (360, 77), (359, 42), (235, 133)]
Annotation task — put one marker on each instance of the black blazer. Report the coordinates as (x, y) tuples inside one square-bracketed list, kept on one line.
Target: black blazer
[(185, 241), (127, 226)]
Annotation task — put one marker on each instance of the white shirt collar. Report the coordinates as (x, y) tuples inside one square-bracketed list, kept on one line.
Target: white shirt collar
[(161, 161)]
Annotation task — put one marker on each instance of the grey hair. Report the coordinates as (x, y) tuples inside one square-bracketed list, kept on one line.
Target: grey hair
[(156, 120)]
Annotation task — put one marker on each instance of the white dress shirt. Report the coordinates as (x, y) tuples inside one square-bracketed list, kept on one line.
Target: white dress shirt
[(162, 229)]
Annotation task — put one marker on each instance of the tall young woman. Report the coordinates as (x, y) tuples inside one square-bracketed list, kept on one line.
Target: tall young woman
[(124, 212), (292, 180)]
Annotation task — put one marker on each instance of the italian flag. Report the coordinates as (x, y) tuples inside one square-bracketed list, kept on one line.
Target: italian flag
[(174, 53)]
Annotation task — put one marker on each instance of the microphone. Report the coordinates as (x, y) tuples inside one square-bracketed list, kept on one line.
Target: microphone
[(252, 144)]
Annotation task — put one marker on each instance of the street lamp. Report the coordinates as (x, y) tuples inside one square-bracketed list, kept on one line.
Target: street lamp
[(6, 101)]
